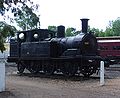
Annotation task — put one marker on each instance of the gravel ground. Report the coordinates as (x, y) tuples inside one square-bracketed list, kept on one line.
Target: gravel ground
[(29, 86)]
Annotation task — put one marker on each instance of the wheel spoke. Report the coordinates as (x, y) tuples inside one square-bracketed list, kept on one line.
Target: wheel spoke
[(69, 69), (49, 69), (87, 70), (34, 68)]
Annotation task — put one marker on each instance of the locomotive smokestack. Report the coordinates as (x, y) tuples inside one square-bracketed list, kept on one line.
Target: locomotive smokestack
[(84, 25)]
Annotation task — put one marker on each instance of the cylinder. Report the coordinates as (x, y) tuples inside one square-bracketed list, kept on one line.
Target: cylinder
[(84, 25), (60, 31)]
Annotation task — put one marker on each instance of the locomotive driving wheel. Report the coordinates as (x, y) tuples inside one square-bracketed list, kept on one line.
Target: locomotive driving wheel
[(69, 69), (20, 67), (34, 67), (87, 70), (49, 69)]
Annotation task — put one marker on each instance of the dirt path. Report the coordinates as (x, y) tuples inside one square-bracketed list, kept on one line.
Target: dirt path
[(37, 87)]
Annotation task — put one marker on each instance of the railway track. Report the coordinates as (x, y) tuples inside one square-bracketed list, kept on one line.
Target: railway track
[(113, 69)]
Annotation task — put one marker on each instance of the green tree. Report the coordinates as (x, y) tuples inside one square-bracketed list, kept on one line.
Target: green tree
[(52, 28), (70, 31), (13, 5), (97, 32), (116, 27), (27, 19), (113, 29), (5, 31), (109, 31), (77, 32)]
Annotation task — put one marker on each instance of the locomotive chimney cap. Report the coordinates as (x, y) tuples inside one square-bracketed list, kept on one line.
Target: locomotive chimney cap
[(84, 19)]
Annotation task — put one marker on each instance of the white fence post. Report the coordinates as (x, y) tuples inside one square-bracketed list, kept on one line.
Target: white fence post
[(2, 76), (102, 82)]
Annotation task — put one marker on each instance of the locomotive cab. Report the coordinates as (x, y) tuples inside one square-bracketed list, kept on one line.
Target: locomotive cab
[(25, 41), (13, 50)]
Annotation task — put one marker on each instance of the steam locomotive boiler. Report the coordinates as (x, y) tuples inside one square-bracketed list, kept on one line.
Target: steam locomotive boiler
[(41, 51)]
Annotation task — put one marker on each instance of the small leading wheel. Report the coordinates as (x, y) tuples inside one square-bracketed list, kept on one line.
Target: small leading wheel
[(20, 67), (49, 69), (87, 70), (69, 69)]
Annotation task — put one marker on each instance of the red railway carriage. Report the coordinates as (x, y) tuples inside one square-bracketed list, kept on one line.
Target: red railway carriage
[(109, 48)]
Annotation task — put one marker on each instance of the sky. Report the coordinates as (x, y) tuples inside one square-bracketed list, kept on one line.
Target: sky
[(69, 12)]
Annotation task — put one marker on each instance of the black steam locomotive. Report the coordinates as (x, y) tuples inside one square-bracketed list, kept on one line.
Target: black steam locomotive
[(41, 50)]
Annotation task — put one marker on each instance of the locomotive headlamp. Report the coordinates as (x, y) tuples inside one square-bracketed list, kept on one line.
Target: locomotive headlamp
[(21, 36), (35, 36)]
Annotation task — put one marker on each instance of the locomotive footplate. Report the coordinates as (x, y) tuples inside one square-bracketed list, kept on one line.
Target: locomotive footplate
[(12, 59), (63, 58), (82, 57), (34, 58), (99, 58), (77, 58)]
